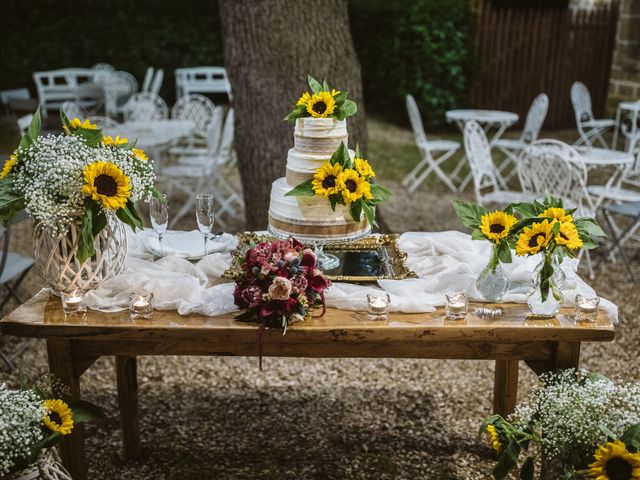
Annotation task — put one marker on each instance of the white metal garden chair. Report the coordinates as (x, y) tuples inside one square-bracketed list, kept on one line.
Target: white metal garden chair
[(145, 106), (532, 125), (202, 112), (202, 80), (430, 163), (555, 168), (485, 181), (148, 77), (589, 128), (156, 85)]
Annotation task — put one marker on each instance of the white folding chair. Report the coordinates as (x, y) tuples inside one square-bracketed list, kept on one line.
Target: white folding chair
[(145, 106), (485, 181), (148, 77), (627, 188), (512, 148), (589, 128), (443, 149), (555, 168), (157, 82)]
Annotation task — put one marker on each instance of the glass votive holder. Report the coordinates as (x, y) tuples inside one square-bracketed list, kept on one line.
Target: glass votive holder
[(141, 306), (73, 302), (378, 306), (456, 306), (586, 309)]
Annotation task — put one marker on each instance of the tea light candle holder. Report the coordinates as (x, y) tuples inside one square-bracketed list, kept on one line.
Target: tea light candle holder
[(378, 306), (141, 306), (456, 306), (586, 309), (73, 302)]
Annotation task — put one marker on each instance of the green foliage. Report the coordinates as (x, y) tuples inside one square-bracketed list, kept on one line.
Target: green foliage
[(421, 47)]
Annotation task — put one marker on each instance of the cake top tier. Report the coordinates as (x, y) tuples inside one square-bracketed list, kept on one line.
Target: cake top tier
[(320, 127)]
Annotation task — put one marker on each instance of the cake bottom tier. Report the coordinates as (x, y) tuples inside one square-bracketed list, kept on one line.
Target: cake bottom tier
[(301, 230)]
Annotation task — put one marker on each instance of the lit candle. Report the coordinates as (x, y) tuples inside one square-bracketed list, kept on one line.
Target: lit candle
[(73, 302), (140, 306), (378, 307), (456, 306), (586, 309)]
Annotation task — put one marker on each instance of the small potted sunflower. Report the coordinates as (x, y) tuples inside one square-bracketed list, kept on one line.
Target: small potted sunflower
[(32, 422)]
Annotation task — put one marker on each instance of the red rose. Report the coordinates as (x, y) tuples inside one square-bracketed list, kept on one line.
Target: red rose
[(308, 259), (319, 283)]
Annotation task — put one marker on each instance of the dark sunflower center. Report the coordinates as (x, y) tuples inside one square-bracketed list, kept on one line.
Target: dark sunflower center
[(329, 181), (105, 185), (55, 418), (618, 469), (319, 107), (351, 185), (564, 237), (496, 228), (533, 242)]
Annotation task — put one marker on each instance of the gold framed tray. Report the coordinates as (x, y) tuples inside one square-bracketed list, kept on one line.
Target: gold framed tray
[(372, 258)]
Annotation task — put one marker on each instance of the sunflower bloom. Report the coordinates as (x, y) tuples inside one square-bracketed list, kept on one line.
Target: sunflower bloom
[(325, 180), (321, 105), (109, 140), (497, 225), (613, 461), (557, 214), (139, 154), (568, 236), (534, 238), (58, 417), (494, 438), (9, 165), (107, 184), (363, 167), (87, 125), (353, 186), (304, 99)]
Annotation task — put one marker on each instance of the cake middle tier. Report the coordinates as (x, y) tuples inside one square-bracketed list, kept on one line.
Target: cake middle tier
[(302, 166)]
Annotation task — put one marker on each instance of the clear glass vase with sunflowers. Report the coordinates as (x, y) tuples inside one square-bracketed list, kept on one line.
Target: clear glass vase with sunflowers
[(79, 187)]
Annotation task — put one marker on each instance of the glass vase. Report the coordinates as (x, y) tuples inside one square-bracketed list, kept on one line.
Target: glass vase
[(545, 298), (492, 282)]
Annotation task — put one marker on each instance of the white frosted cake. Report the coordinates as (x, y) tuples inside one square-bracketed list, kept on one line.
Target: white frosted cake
[(315, 140)]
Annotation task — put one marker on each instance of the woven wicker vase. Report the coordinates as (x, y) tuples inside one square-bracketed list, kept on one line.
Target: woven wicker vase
[(47, 467), (56, 256)]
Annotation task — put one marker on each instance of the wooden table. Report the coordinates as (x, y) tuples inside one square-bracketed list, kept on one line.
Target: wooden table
[(74, 343)]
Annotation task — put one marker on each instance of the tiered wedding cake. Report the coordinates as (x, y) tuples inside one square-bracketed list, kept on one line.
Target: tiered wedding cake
[(315, 140)]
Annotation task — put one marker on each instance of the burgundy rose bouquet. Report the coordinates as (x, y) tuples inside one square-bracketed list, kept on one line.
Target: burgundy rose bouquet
[(279, 284)]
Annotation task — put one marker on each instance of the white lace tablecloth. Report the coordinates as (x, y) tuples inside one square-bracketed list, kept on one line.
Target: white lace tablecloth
[(446, 262)]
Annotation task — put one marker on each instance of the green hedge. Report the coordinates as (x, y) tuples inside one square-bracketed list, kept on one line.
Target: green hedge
[(405, 46), (420, 47)]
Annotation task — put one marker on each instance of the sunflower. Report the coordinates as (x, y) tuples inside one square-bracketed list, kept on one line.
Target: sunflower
[(139, 154), (87, 125), (304, 99), (557, 214), (106, 183), (494, 438), (58, 417), (568, 236), (353, 186), (109, 140), (321, 105), (325, 180), (8, 166), (496, 225), (615, 462), (534, 238), (363, 167)]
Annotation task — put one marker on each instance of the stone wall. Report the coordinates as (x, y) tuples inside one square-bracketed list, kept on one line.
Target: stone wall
[(625, 71)]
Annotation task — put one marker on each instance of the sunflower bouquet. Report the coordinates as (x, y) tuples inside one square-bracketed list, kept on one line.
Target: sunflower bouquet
[(585, 425), (80, 176), (343, 181), (33, 420), (322, 102)]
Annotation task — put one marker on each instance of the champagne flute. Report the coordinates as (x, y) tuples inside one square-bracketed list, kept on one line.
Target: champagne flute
[(159, 213), (205, 213)]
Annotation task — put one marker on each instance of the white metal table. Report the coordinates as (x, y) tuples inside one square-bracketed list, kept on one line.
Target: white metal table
[(155, 136), (602, 158), (633, 108), (489, 120)]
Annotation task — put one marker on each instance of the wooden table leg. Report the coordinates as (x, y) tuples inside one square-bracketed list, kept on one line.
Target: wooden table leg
[(505, 387), (567, 355), (62, 365), (127, 374)]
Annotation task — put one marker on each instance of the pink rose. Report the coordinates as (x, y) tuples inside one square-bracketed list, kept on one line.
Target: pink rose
[(252, 296), (280, 288)]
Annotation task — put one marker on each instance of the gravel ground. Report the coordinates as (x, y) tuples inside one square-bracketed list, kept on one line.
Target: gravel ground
[(221, 418)]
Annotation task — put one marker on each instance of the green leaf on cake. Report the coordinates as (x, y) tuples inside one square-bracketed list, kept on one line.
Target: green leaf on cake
[(347, 109), (297, 112), (341, 97), (333, 200), (325, 86), (314, 84), (341, 156), (356, 210), (305, 189), (369, 213), (379, 193)]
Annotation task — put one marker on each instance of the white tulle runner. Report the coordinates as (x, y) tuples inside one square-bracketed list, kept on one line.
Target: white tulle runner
[(446, 262)]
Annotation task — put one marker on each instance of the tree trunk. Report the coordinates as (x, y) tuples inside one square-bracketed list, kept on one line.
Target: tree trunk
[(269, 48)]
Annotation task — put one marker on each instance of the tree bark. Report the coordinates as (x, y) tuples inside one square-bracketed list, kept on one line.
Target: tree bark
[(269, 47)]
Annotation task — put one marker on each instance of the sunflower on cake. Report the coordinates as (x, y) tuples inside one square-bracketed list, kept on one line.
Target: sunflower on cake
[(329, 192)]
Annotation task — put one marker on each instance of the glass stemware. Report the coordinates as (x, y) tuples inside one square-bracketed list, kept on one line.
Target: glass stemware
[(159, 213), (205, 213)]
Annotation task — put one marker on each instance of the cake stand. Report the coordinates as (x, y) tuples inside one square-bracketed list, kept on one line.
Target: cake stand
[(326, 261)]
